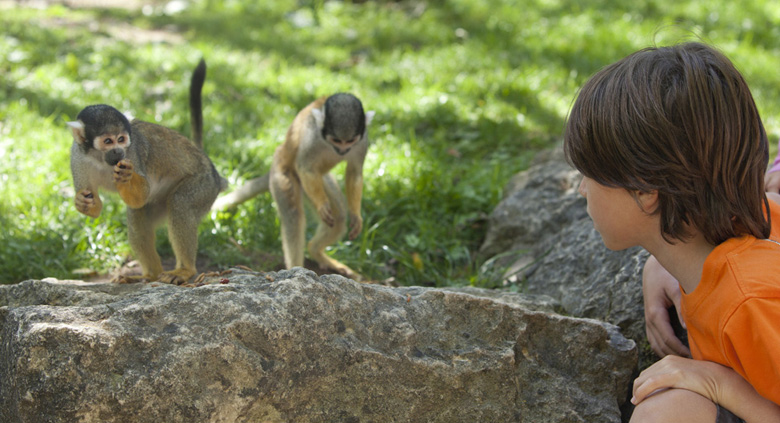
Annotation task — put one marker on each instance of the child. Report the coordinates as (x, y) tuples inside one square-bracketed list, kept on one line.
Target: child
[(673, 154), (772, 178), (662, 291)]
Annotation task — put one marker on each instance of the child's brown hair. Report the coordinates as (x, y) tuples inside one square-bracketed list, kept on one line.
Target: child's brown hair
[(680, 120)]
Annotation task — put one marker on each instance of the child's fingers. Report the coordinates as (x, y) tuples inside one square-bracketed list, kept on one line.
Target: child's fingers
[(665, 373), (647, 384), (661, 336)]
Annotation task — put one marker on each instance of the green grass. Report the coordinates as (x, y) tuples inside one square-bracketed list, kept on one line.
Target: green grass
[(466, 92)]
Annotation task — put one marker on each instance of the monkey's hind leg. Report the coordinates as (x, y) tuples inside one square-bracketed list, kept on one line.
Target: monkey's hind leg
[(140, 224), (186, 207), (288, 196), (327, 235)]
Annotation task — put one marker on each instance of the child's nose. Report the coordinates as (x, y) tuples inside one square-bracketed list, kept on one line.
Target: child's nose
[(582, 188)]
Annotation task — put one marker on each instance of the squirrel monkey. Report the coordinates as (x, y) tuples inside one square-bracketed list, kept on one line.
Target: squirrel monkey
[(157, 172), (326, 132)]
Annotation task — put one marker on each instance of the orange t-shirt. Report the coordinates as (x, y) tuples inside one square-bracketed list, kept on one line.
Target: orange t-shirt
[(733, 315)]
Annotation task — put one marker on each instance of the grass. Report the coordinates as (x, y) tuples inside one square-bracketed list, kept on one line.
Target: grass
[(466, 92)]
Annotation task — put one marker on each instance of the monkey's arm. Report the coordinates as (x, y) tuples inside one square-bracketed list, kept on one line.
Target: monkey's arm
[(133, 188), (88, 202), (354, 188), (314, 187)]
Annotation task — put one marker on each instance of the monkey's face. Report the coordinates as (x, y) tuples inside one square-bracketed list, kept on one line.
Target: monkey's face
[(342, 145), (112, 146)]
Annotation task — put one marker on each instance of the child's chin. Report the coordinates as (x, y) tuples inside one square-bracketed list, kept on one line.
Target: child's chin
[(614, 246)]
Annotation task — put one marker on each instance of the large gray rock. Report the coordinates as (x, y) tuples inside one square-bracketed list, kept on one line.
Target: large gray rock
[(543, 240), (294, 347), (537, 204)]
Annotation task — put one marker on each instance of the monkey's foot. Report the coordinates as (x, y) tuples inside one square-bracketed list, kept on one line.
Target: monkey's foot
[(133, 279), (355, 276), (177, 276), (340, 268), (349, 273)]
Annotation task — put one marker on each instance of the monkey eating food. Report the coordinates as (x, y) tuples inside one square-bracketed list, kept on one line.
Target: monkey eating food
[(326, 132), (158, 174)]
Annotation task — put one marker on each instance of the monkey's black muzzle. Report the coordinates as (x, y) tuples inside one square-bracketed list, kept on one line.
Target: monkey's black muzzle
[(113, 156)]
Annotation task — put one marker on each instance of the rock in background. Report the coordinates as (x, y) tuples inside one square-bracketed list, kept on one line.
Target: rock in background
[(541, 238), (294, 347)]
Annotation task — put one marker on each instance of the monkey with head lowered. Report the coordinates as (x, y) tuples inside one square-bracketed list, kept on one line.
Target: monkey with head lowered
[(326, 132), (157, 172)]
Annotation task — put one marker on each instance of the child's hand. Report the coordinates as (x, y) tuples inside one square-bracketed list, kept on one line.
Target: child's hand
[(681, 373), (719, 384), (660, 291)]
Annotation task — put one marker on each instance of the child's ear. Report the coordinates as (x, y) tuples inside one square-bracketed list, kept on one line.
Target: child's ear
[(648, 201)]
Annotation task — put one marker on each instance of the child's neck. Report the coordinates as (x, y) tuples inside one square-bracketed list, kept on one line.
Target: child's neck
[(684, 260)]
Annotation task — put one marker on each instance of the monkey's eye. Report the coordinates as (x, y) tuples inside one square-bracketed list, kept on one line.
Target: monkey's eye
[(108, 141), (121, 139), (337, 141)]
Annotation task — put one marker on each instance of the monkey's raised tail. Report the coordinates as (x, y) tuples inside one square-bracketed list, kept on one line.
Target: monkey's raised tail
[(196, 107), (251, 188)]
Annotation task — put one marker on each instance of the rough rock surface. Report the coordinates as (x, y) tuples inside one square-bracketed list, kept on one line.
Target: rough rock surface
[(542, 236), (294, 347)]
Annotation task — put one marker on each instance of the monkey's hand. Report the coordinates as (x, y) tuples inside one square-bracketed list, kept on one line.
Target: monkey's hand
[(133, 188), (326, 214), (355, 225), (88, 203), (123, 171)]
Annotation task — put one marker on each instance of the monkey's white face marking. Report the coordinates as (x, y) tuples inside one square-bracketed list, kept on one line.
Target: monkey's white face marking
[(342, 146), (106, 142)]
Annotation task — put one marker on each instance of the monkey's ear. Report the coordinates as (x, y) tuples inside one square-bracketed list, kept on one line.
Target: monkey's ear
[(369, 116), (77, 128), (319, 117)]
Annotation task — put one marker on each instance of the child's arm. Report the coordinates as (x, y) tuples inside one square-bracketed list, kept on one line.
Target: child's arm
[(773, 196), (772, 178), (772, 182), (660, 291), (719, 384)]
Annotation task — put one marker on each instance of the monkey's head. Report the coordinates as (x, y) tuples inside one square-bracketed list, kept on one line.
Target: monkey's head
[(103, 132), (342, 121)]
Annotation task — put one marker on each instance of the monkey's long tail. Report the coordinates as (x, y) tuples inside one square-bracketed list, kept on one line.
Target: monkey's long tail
[(251, 188), (196, 107)]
